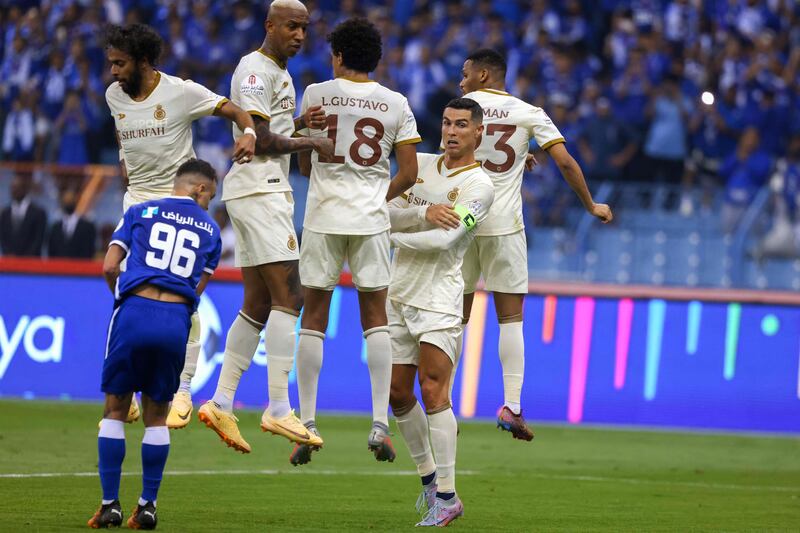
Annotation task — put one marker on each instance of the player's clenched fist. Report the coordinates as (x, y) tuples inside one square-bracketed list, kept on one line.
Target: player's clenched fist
[(324, 146), (245, 147), (603, 212), (442, 215), (315, 118)]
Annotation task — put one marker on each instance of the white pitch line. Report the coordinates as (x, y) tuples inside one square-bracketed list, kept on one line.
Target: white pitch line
[(392, 473)]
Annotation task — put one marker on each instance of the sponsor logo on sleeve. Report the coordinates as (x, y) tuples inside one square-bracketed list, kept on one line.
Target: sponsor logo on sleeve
[(252, 85)]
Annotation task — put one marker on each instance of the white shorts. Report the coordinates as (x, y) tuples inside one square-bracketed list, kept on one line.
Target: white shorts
[(323, 254), (503, 260), (133, 197), (409, 326), (264, 228)]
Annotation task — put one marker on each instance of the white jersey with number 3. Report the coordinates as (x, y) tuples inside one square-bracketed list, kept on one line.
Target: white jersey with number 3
[(347, 194), (155, 134), (509, 124)]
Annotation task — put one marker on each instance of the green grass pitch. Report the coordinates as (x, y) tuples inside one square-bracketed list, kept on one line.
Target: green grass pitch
[(568, 479)]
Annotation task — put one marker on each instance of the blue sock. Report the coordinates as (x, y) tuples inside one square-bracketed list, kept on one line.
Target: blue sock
[(445, 495), (111, 452), (155, 449), (427, 480)]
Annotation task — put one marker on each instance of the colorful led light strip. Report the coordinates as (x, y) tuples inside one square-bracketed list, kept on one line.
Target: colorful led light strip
[(549, 318), (471, 360), (624, 321), (732, 339), (581, 345), (695, 313), (656, 311)]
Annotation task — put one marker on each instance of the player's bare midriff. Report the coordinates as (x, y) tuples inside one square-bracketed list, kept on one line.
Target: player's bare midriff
[(151, 292)]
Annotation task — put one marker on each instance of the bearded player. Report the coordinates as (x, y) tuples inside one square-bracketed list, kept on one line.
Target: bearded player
[(499, 251), (153, 114)]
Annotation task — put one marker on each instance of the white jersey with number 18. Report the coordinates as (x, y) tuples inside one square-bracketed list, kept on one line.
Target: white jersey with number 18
[(509, 124), (347, 194)]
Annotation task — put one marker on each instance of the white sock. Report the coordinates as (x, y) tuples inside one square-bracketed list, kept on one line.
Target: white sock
[(192, 354), (279, 338), (379, 362), (414, 427), (444, 427), (511, 347), (459, 348), (309, 364), (112, 429), (240, 346)]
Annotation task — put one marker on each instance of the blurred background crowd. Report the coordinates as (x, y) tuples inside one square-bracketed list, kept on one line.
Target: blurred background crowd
[(687, 112)]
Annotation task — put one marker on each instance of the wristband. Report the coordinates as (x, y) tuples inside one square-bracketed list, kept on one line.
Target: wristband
[(249, 131), (466, 217)]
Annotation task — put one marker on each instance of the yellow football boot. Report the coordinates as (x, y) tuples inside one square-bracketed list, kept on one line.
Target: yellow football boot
[(225, 424), (180, 411), (133, 411), (290, 427)]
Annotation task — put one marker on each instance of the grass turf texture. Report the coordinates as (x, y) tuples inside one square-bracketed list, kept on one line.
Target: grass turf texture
[(569, 478)]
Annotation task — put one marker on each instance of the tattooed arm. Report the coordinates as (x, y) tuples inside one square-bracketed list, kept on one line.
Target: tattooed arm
[(269, 143)]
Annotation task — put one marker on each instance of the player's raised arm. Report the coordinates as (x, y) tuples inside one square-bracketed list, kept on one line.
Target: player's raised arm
[(269, 143), (574, 177), (245, 146)]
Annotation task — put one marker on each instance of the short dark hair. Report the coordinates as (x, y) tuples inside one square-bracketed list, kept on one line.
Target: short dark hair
[(197, 166), (137, 40), (491, 59), (475, 109), (359, 42)]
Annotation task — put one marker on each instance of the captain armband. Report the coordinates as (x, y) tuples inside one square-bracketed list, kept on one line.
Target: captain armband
[(466, 216)]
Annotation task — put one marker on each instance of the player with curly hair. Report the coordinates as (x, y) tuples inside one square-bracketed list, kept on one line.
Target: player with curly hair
[(153, 114), (347, 216)]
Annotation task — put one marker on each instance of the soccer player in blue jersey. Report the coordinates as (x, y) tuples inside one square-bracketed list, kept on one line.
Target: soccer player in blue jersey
[(171, 246)]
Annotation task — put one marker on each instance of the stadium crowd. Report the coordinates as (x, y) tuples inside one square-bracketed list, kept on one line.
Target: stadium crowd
[(670, 91)]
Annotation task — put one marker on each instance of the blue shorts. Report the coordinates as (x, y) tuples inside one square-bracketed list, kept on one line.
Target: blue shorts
[(146, 348)]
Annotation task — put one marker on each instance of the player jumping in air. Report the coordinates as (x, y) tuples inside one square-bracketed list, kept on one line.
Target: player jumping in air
[(499, 250), (153, 114), (259, 200), (425, 300), (347, 217), (172, 247)]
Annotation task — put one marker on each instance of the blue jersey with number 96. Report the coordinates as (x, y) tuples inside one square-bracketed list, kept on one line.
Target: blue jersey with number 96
[(169, 243)]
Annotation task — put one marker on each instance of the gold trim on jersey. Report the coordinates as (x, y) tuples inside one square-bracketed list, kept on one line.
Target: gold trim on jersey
[(548, 144), (456, 172), (348, 78), (221, 103), (259, 114), (153, 88), (404, 196), (494, 91), (274, 59), (415, 140)]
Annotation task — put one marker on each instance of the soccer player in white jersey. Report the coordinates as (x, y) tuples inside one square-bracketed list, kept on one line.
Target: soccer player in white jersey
[(425, 300), (499, 251), (153, 114), (258, 197), (347, 216)]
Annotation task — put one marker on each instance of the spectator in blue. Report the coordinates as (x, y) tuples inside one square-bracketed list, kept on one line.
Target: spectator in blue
[(606, 144), (632, 90), (54, 85), (19, 132), (665, 146), (744, 172), (70, 129), (772, 120)]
